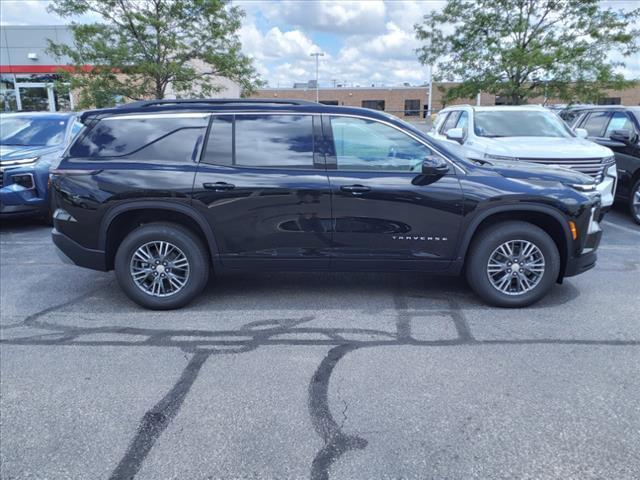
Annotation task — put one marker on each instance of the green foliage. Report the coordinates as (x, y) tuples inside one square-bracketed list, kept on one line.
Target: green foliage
[(142, 47), (522, 49)]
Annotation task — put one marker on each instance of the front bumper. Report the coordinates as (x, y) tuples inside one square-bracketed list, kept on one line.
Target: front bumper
[(72, 252), (17, 200), (607, 187), (586, 259)]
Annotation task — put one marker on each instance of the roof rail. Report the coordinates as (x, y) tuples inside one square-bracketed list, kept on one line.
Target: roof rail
[(214, 101)]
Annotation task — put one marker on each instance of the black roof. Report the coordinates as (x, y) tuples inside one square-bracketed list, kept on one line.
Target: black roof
[(235, 104)]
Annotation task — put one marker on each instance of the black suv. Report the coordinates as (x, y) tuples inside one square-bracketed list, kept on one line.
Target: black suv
[(164, 191), (618, 128)]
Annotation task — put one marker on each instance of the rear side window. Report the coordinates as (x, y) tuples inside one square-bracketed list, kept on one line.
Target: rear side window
[(596, 123), (176, 138), (261, 141)]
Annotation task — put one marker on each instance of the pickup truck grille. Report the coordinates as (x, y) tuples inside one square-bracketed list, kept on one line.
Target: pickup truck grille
[(594, 167)]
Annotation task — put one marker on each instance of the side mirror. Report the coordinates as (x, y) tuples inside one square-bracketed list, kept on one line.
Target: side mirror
[(435, 166), (581, 133), (455, 134), (623, 136)]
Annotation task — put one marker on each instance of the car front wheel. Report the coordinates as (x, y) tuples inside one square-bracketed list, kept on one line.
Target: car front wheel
[(162, 266), (512, 264), (634, 202)]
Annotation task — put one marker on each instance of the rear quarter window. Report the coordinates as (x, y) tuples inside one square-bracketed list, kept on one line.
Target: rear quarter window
[(145, 137)]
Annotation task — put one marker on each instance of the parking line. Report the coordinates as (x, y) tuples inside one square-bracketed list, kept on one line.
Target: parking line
[(622, 227)]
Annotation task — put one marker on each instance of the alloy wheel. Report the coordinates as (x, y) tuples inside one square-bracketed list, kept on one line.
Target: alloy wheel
[(635, 203), (159, 268), (516, 267)]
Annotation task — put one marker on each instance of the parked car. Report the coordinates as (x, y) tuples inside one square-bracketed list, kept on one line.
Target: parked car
[(617, 128), (30, 143), (527, 133), (161, 191)]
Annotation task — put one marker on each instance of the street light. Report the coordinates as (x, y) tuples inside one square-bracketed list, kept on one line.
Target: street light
[(317, 55)]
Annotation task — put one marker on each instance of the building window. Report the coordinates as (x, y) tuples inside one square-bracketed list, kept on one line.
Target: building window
[(373, 104), (609, 101), (8, 101), (412, 108), (329, 102)]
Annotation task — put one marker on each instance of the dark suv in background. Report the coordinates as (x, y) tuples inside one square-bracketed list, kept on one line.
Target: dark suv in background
[(165, 191), (618, 128)]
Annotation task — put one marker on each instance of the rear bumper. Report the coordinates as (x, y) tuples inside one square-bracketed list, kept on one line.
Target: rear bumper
[(72, 252)]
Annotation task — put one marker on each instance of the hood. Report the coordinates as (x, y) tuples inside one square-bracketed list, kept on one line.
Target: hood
[(16, 152), (534, 171), (547, 147)]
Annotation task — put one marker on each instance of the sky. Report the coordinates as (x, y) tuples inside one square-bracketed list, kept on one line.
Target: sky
[(365, 42)]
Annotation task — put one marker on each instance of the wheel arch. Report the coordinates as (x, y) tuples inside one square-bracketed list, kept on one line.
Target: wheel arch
[(122, 219), (546, 218)]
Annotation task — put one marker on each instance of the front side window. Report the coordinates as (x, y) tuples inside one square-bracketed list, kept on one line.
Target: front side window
[(364, 145), (276, 141), (462, 121), (31, 131), (176, 138), (519, 123), (596, 123), (619, 121), (452, 119)]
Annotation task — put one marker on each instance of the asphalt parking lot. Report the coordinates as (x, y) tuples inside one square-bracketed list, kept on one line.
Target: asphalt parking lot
[(317, 376)]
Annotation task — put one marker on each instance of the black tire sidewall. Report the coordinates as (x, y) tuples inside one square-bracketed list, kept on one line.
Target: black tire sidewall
[(183, 239), (493, 237), (634, 189)]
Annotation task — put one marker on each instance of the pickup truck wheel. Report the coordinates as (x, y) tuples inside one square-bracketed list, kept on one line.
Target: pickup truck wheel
[(634, 202), (162, 266), (512, 264)]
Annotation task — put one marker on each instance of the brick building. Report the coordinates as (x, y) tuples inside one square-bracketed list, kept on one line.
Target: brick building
[(412, 102)]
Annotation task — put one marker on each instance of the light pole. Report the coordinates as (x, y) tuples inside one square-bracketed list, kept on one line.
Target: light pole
[(317, 55)]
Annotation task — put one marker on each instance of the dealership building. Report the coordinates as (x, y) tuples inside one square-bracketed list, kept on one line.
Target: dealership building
[(28, 75), (28, 72)]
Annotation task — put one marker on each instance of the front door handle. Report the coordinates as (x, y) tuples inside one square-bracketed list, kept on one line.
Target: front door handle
[(355, 189), (219, 186)]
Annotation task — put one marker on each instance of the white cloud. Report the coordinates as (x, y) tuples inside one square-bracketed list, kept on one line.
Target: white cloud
[(33, 12)]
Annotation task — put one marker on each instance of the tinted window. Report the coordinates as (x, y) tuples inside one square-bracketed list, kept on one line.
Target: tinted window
[(373, 104), (274, 141), (367, 145), (619, 121), (262, 141), (451, 121), (169, 138), (595, 123), (220, 142)]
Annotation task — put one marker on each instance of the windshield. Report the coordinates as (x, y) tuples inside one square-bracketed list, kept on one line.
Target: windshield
[(32, 132), (522, 123)]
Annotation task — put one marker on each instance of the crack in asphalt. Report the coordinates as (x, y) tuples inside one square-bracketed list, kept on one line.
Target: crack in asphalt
[(207, 343)]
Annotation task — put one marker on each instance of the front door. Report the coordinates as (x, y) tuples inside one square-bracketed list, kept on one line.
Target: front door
[(265, 192), (386, 213)]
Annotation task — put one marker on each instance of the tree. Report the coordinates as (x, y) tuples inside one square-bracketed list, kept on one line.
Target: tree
[(142, 48), (522, 49)]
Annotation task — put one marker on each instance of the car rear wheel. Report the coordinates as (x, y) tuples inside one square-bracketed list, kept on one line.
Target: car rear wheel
[(162, 266), (634, 202), (512, 264)]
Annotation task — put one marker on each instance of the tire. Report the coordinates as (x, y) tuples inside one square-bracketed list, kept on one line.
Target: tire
[(634, 202), (544, 263), (178, 287)]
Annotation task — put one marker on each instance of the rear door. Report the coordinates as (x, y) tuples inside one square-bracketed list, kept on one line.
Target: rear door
[(265, 191), (386, 213)]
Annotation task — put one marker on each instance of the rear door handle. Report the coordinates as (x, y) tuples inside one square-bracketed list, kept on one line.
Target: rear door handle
[(219, 186), (355, 189)]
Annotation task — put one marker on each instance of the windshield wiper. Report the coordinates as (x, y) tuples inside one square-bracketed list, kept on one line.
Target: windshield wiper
[(16, 144)]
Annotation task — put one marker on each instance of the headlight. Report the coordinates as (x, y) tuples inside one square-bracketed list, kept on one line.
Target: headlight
[(499, 157)]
